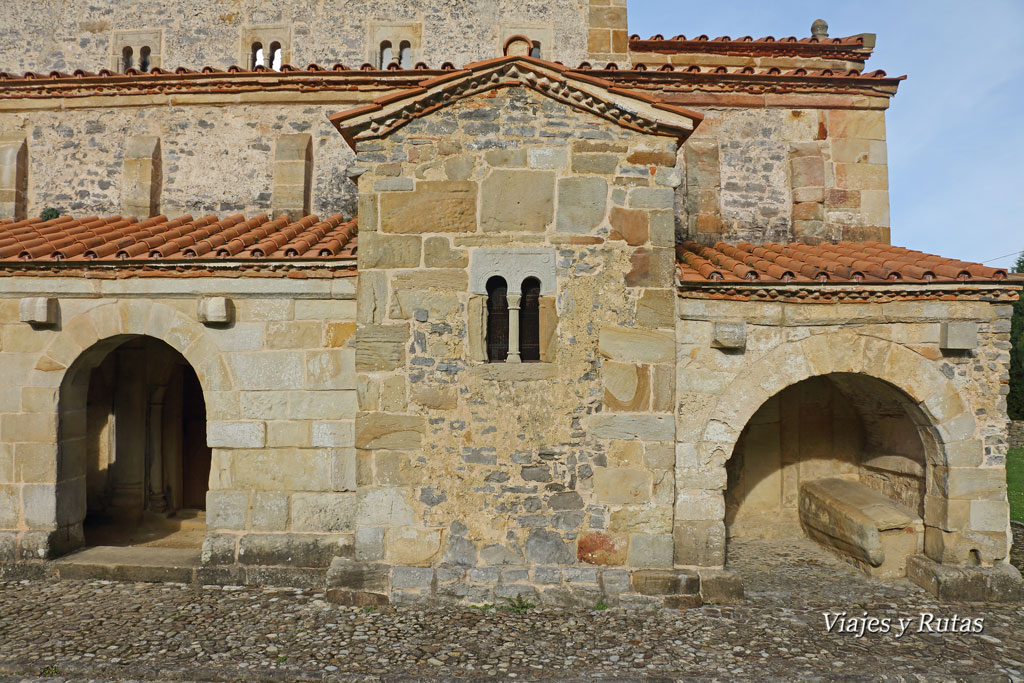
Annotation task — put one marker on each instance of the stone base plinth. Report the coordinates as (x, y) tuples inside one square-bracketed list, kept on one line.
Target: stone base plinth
[(1001, 583), (360, 583)]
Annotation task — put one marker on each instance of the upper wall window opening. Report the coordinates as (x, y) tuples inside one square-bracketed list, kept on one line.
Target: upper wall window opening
[(256, 56), (386, 55), (529, 321), (497, 320), (144, 58), (127, 60), (275, 56), (405, 54), (535, 51)]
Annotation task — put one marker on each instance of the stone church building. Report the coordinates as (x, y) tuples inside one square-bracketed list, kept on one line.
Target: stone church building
[(434, 300)]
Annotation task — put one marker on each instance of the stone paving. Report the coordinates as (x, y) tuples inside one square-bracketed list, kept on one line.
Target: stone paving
[(110, 631)]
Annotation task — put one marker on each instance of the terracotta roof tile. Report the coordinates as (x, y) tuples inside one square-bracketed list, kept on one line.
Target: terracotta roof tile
[(852, 48), (127, 239), (845, 262)]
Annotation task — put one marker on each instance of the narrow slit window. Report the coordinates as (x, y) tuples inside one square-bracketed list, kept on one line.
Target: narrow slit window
[(385, 54), (144, 58), (529, 321), (405, 54), (535, 49), (275, 56), (127, 60), (497, 320), (257, 56)]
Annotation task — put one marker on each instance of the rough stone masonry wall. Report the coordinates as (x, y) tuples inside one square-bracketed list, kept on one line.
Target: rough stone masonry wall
[(213, 159), (958, 394), (781, 174), (56, 35), (279, 386), (486, 480), (1017, 434)]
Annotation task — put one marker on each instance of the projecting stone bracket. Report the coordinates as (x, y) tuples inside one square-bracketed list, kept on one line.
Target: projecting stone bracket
[(216, 310), (959, 336), (730, 335), (39, 311)]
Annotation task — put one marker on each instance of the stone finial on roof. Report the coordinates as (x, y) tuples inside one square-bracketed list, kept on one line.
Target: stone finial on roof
[(819, 29)]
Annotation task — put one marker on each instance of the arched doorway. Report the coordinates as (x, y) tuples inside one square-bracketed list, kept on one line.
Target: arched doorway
[(133, 421), (826, 458)]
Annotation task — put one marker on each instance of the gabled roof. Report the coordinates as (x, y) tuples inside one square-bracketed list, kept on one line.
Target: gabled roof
[(127, 240), (597, 96), (842, 263)]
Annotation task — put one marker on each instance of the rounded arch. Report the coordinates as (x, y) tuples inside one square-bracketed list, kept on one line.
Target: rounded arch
[(942, 410), (104, 327)]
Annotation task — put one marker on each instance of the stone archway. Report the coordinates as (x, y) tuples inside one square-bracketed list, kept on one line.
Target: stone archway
[(953, 460), (133, 419), (54, 508), (840, 458)]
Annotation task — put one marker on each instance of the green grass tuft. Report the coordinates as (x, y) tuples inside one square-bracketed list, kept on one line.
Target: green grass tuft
[(1015, 483)]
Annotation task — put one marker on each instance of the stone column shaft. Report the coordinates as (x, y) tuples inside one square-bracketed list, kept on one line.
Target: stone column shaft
[(513, 328)]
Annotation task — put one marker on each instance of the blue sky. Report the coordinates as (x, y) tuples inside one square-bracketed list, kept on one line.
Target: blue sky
[(956, 140)]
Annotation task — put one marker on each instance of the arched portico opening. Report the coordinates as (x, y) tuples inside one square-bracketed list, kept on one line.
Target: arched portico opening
[(842, 458), (132, 420)]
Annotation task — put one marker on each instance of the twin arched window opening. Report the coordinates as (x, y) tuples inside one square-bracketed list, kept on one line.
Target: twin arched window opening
[(128, 58), (513, 322), (404, 56), (271, 59)]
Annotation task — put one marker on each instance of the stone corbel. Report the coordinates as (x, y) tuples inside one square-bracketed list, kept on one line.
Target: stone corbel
[(216, 310), (729, 335), (38, 311)]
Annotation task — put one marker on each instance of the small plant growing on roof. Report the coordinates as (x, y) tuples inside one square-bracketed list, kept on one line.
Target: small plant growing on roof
[(600, 606), (49, 213), (518, 604), (483, 608)]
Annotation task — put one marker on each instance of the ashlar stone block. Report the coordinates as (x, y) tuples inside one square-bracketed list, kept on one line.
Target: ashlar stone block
[(581, 204), (959, 336), (434, 206), (517, 201)]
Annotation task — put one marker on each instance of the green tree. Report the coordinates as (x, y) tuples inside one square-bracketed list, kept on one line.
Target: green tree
[(1015, 401)]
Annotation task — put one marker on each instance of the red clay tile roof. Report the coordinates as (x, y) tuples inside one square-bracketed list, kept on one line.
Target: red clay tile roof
[(339, 78), (129, 240), (851, 48), (845, 262)]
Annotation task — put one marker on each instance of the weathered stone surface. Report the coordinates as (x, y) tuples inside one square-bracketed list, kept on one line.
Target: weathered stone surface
[(1001, 583), (645, 427), (665, 582), (412, 546), (438, 253), (581, 204), (547, 547), (514, 201), (852, 519), (622, 486), (380, 347), (394, 432), (719, 587), (598, 547), (629, 225), (627, 386), (388, 251), (639, 346), (434, 206)]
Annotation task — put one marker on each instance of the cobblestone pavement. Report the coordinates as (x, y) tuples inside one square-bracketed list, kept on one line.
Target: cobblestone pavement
[(103, 631)]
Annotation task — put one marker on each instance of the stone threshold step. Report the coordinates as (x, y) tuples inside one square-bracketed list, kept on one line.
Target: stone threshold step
[(154, 565)]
